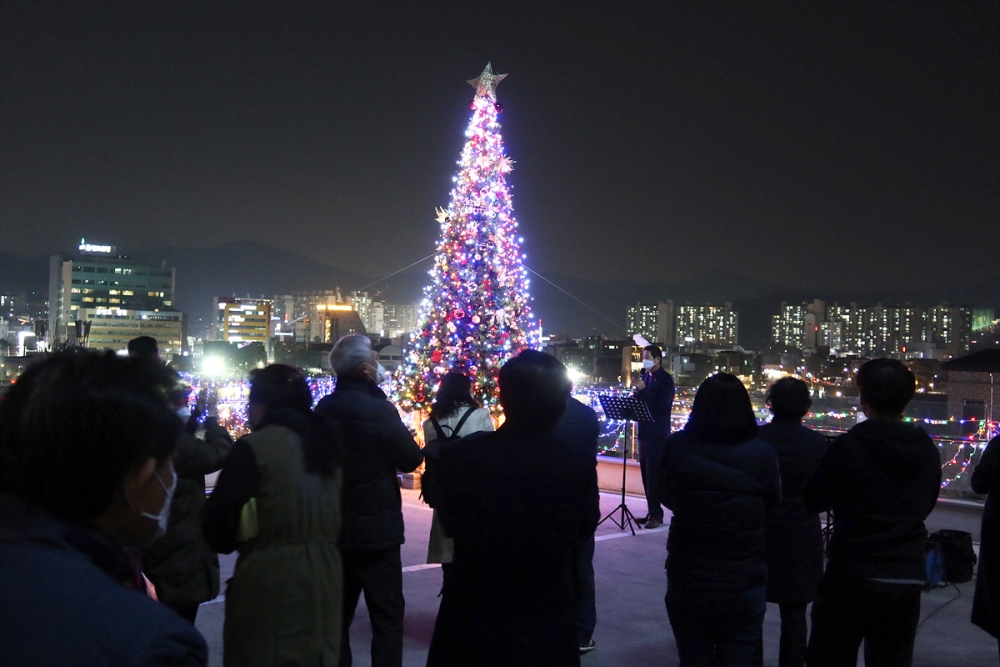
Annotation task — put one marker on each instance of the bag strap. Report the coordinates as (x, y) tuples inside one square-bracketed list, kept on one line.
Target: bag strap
[(461, 422), (437, 427)]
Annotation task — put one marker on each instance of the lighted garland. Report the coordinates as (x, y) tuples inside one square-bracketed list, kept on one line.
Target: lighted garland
[(475, 312)]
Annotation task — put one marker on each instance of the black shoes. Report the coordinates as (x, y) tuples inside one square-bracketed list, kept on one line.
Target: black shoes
[(653, 522), (588, 647), (643, 520)]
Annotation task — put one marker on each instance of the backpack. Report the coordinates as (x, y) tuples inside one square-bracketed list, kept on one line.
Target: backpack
[(430, 482), (956, 555)]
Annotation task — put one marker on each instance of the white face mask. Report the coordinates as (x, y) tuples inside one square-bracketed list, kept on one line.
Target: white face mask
[(163, 518), (184, 413), (647, 364), (380, 373)]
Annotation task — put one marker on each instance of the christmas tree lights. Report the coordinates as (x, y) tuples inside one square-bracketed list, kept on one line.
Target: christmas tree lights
[(475, 313)]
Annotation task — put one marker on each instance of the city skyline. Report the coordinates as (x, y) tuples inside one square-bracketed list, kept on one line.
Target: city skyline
[(827, 147)]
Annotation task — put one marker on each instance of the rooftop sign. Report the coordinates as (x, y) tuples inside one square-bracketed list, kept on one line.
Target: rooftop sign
[(95, 249)]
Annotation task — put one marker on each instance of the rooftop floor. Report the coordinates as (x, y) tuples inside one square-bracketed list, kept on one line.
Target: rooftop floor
[(632, 626)]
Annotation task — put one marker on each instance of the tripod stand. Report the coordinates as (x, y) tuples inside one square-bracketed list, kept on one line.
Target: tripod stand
[(627, 409)]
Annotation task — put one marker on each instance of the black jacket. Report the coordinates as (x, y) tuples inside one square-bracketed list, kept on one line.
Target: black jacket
[(718, 494), (986, 603), (180, 564), (658, 395), (881, 479), (376, 444), (793, 542), (508, 598), (578, 428), (64, 601)]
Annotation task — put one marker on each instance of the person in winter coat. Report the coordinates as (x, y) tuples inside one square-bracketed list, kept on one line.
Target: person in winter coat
[(86, 444), (655, 388), (718, 479), (509, 596), (793, 540), (986, 480), (454, 413), (377, 444), (283, 602), (578, 429), (881, 479), (181, 565)]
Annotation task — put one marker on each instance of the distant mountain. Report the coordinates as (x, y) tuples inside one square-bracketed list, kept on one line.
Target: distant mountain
[(243, 269), (564, 303), (19, 273)]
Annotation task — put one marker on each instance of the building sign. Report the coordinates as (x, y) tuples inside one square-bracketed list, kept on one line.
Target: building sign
[(95, 249)]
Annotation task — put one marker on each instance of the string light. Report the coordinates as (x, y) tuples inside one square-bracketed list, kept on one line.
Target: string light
[(475, 313)]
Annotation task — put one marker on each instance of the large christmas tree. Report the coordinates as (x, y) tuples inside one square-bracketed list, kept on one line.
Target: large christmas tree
[(475, 313)]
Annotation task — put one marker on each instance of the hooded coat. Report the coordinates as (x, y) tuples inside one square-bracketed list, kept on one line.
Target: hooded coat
[(986, 603), (881, 479)]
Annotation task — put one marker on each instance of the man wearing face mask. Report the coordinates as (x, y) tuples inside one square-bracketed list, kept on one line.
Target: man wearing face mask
[(87, 442), (655, 388), (182, 566), (377, 444)]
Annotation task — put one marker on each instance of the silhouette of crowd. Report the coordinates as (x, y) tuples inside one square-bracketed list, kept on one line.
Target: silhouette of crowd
[(108, 545)]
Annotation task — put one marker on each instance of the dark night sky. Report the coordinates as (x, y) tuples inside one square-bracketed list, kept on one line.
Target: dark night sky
[(835, 146)]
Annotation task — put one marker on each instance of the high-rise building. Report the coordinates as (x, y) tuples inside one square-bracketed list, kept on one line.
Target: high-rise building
[(950, 327), (788, 327), (399, 319), (655, 323), (102, 299), (243, 320), (707, 325), (642, 319)]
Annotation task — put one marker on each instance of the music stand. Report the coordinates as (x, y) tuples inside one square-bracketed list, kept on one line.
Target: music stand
[(624, 408)]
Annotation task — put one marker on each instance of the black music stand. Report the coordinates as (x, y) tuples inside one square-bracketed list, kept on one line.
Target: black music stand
[(624, 408)]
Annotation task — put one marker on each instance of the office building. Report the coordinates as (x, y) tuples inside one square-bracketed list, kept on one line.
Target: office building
[(99, 298)]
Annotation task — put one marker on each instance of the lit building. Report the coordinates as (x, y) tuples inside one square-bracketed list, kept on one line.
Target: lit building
[(654, 323), (950, 327), (399, 319), (114, 294), (788, 327), (845, 333), (642, 319), (243, 321), (112, 329), (707, 325)]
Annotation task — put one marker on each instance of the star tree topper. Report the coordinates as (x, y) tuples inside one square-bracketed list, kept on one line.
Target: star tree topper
[(487, 82)]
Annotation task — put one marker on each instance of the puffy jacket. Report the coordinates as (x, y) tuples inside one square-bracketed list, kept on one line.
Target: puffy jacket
[(376, 444), (718, 494), (63, 600), (881, 479), (180, 564)]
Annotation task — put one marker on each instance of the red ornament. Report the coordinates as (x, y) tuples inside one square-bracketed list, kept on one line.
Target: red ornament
[(472, 105)]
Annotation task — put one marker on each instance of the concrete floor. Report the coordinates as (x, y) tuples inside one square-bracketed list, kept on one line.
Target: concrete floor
[(632, 627)]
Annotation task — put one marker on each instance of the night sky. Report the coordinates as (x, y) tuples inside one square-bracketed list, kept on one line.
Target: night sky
[(829, 146)]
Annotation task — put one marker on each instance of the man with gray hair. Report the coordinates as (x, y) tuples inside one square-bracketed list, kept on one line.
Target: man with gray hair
[(377, 444)]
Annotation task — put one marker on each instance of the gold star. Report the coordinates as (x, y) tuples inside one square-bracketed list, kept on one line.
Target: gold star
[(487, 82)]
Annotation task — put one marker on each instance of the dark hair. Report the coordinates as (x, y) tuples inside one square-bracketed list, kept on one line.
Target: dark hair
[(721, 412), (886, 386), (534, 389), (143, 346), (77, 422), (455, 390), (788, 398), (284, 392), (654, 351)]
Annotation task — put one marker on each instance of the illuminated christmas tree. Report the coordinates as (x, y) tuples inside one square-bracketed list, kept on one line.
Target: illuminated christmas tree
[(475, 313)]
